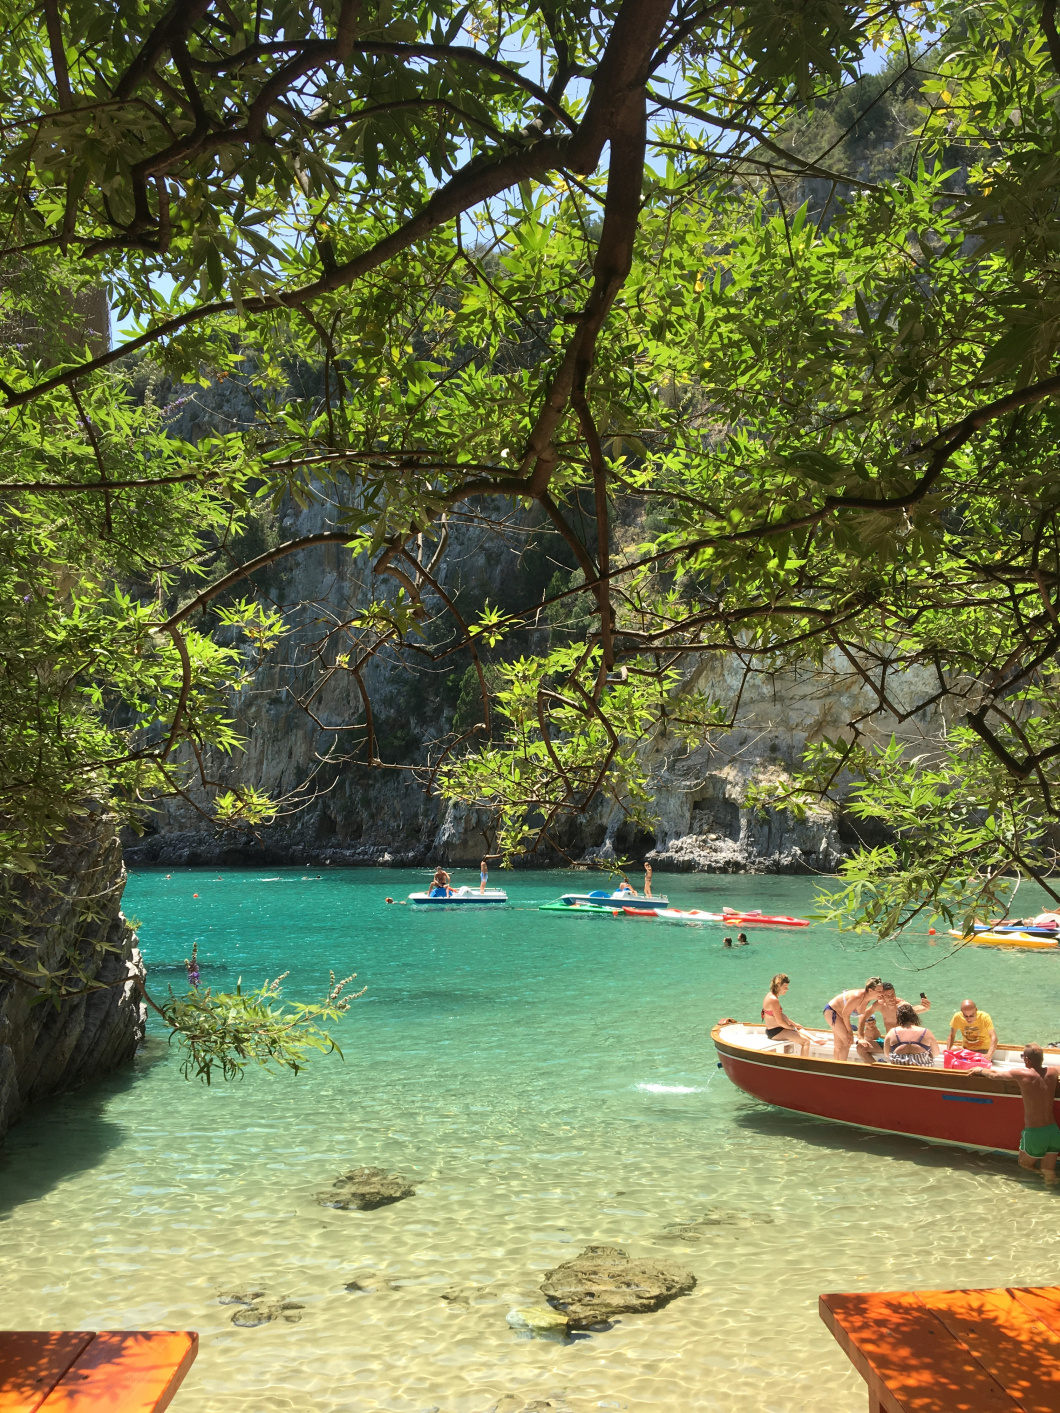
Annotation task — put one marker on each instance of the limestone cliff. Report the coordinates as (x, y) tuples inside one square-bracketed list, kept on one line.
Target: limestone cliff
[(378, 816), (74, 916)]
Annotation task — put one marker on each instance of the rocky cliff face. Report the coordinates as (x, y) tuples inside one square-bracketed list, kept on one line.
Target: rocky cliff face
[(379, 816), (76, 916)]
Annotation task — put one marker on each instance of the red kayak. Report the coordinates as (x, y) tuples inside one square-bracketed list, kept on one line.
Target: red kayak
[(760, 919)]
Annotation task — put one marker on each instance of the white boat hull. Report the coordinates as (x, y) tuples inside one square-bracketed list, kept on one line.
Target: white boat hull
[(467, 897)]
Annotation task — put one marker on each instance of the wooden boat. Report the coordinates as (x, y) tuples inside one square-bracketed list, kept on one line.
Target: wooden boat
[(1031, 941), (960, 1107), (469, 897)]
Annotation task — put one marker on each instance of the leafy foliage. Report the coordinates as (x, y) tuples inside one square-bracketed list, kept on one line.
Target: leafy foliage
[(777, 399), (227, 1031)]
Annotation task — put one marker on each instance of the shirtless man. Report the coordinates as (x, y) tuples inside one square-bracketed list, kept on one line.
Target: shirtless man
[(888, 1004), (840, 1008), (1040, 1139), (440, 886)]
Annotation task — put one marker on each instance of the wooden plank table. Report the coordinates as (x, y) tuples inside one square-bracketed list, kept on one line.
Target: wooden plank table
[(953, 1351), (106, 1371)]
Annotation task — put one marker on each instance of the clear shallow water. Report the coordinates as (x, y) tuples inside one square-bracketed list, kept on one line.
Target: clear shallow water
[(547, 1083)]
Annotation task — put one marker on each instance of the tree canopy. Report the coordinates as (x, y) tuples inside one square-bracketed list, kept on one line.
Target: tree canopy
[(642, 256)]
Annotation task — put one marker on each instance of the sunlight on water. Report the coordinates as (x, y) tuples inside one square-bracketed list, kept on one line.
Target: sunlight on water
[(547, 1083)]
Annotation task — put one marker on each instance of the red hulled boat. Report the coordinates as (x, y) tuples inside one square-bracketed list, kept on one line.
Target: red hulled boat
[(943, 1106)]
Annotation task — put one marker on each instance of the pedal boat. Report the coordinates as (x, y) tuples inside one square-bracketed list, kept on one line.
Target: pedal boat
[(466, 896), (612, 900), (957, 1107), (1033, 939)]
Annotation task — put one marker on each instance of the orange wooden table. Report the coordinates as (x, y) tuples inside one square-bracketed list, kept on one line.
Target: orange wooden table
[(953, 1351), (110, 1371)]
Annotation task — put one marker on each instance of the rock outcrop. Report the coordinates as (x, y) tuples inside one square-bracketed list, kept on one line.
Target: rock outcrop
[(380, 817), (603, 1282), (71, 915), (365, 1189)]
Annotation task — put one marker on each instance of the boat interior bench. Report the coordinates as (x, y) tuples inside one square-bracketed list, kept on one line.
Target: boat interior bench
[(87, 1371), (953, 1351)]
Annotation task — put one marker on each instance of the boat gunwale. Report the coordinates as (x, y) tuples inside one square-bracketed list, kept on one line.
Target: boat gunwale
[(959, 1081)]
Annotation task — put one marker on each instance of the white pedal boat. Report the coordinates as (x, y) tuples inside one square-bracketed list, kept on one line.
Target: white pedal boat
[(465, 896), (607, 899)]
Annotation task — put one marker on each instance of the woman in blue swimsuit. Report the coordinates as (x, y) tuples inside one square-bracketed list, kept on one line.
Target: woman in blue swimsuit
[(908, 1043), (839, 1010)]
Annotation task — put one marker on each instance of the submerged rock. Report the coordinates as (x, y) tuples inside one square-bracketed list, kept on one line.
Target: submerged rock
[(603, 1282), (263, 1314), (240, 1297), (540, 1320), (709, 1223), (364, 1189)]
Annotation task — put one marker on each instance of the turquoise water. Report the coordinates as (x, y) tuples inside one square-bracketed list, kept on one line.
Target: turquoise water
[(547, 1083)]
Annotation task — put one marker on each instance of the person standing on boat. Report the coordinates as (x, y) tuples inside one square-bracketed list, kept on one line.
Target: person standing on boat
[(908, 1042), (483, 876), (840, 1008), (976, 1030), (778, 1025), (1040, 1139), (647, 880)]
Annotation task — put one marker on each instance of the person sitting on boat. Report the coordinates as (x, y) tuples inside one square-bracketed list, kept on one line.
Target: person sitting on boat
[(1040, 1139), (909, 1043), (870, 1041), (625, 886), (976, 1030), (840, 1008), (779, 1026), (888, 1004), (440, 887)]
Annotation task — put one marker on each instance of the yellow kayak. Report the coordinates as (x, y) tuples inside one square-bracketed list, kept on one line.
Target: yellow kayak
[(1009, 939)]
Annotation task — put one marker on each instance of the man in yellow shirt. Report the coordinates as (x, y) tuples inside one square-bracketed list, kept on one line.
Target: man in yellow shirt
[(976, 1029)]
